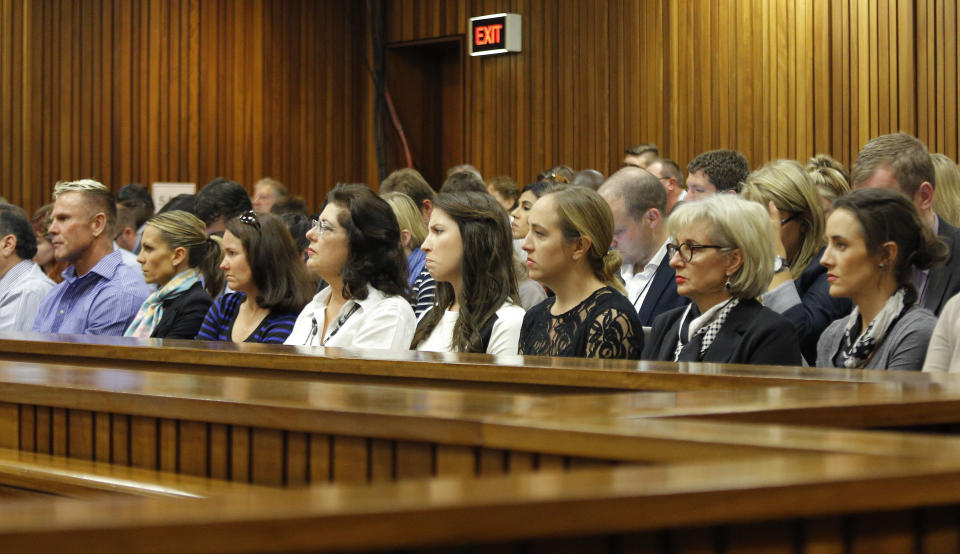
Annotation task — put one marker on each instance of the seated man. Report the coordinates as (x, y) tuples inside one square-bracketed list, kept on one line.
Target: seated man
[(221, 200), (715, 171), (902, 163), (267, 192), (641, 155), (669, 174), (638, 202), (23, 284), (411, 182), (99, 294)]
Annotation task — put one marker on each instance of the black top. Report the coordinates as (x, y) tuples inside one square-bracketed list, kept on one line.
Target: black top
[(605, 325), (183, 315), (751, 334), (943, 281)]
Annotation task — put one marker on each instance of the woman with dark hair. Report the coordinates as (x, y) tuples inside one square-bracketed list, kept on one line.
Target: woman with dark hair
[(875, 241), (355, 248), (177, 256), (568, 250), (271, 284), (470, 257), (531, 293)]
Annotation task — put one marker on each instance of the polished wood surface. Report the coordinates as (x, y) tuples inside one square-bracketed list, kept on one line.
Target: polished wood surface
[(881, 500), (76, 478), (510, 373)]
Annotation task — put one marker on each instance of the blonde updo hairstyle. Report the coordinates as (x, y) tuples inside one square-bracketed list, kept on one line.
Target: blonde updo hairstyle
[(583, 213), (408, 216), (734, 223), (829, 176), (182, 229), (790, 188)]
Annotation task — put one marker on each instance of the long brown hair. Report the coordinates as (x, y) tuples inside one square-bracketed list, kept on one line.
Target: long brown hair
[(487, 270), (275, 264)]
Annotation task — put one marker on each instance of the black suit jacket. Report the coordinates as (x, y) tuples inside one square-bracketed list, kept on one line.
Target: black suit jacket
[(662, 295), (183, 315), (943, 281), (751, 334)]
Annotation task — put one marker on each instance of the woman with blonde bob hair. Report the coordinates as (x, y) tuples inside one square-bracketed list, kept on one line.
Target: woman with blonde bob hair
[(412, 234), (946, 190), (799, 289), (179, 258), (722, 268), (568, 250)]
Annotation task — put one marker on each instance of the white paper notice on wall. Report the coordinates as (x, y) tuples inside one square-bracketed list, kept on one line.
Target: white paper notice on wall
[(163, 192)]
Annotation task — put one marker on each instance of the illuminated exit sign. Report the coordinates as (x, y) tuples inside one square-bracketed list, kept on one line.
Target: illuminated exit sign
[(494, 34)]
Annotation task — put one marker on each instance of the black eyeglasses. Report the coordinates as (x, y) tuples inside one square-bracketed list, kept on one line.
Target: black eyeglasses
[(791, 218), (686, 249), (250, 218)]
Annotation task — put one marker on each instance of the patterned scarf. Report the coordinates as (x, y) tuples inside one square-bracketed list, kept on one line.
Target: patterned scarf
[(707, 332), (855, 353), (152, 309)]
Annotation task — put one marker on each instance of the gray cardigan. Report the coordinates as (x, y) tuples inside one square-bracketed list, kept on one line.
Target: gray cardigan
[(904, 347)]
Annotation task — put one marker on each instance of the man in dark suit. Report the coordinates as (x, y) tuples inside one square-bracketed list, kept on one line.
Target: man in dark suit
[(902, 163), (638, 201)]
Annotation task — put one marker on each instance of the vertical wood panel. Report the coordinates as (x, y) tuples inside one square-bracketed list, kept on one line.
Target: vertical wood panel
[(267, 457), (188, 90), (320, 459), (192, 447), (9, 425), (296, 460), (350, 460), (81, 434)]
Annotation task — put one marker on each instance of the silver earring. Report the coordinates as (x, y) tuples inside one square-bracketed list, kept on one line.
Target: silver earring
[(880, 266)]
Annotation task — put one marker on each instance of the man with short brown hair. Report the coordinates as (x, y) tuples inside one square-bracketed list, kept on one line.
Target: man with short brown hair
[(902, 163)]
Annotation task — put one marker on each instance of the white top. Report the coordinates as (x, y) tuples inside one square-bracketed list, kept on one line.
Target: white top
[(943, 352), (637, 284), (380, 322), (505, 338), (22, 288)]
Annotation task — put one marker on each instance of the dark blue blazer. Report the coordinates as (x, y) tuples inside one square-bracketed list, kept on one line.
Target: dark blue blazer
[(662, 295), (944, 280), (817, 309)]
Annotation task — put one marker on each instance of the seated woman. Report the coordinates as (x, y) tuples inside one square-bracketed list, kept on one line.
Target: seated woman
[(355, 248), (179, 258), (531, 293), (875, 241), (943, 353), (469, 254), (412, 232), (721, 268), (270, 283), (568, 250), (831, 179), (799, 289)]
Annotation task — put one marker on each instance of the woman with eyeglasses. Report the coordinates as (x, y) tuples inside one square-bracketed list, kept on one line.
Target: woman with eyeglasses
[(876, 242), (722, 268), (799, 289), (355, 248), (568, 250), (469, 254), (182, 261), (270, 283)]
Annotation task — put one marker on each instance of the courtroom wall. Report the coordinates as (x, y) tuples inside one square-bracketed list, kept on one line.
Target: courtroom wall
[(159, 90)]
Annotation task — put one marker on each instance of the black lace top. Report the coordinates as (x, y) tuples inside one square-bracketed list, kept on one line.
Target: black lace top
[(604, 325)]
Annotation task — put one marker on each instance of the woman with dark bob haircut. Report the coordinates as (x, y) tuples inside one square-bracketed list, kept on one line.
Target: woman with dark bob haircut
[(355, 248), (875, 241), (262, 265), (470, 256)]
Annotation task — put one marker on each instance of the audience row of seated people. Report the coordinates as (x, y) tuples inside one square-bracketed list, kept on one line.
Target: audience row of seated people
[(785, 265)]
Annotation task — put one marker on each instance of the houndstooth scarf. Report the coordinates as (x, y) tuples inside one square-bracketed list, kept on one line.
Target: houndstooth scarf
[(708, 332)]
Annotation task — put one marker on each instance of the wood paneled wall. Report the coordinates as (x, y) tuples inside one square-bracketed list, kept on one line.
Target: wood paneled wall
[(181, 90), (781, 78), (158, 90)]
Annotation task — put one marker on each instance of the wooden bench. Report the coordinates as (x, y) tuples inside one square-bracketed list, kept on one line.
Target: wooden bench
[(824, 503), (452, 371), (30, 474)]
